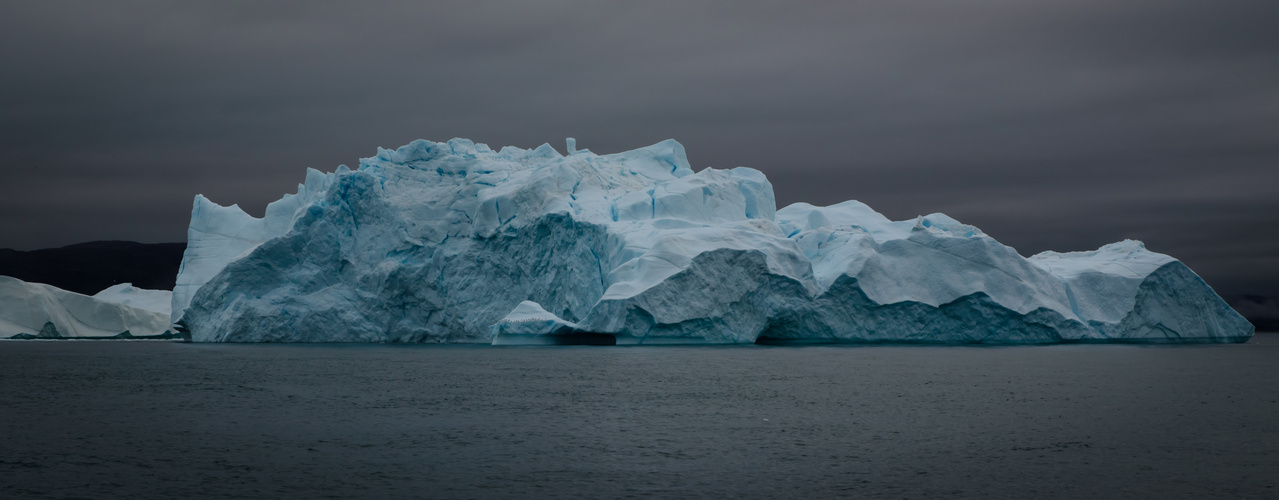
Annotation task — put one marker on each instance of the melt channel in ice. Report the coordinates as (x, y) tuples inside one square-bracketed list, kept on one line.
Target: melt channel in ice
[(455, 242)]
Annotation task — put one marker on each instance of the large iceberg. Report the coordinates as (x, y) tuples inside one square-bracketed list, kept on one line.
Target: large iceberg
[(36, 310), (455, 242)]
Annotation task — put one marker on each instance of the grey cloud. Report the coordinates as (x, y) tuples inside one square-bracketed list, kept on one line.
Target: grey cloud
[(1057, 124)]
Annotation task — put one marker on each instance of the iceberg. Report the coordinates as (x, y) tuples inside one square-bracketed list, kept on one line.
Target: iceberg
[(35, 310), (456, 242)]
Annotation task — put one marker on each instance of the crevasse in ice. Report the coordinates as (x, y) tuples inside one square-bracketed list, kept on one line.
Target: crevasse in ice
[(455, 242)]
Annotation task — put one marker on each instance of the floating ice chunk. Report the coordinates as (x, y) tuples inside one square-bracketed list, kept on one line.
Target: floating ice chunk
[(529, 324), (35, 310)]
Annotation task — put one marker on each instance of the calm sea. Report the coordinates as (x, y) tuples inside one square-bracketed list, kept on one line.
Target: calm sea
[(86, 419)]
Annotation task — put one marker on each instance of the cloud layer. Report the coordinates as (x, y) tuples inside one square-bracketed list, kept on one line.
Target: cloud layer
[(1051, 125)]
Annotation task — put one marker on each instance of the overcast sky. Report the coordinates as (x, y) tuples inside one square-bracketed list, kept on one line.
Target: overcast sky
[(1058, 125)]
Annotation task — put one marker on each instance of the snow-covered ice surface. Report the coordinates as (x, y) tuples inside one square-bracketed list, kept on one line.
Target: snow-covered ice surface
[(455, 242), (125, 293), (36, 310)]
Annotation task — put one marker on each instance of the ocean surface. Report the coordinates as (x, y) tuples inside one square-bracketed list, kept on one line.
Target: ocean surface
[(154, 419)]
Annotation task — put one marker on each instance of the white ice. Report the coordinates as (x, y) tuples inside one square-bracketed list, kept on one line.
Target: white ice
[(35, 309), (125, 293)]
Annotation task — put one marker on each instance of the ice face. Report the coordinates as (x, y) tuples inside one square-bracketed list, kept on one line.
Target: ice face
[(456, 242), (218, 235), (125, 293), (1127, 292), (37, 310)]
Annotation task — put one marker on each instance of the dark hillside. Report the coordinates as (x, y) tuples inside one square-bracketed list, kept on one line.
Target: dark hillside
[(90, 267)]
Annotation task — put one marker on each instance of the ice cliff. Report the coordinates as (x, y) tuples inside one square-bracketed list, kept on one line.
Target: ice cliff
[(35, 310), (455, 242)]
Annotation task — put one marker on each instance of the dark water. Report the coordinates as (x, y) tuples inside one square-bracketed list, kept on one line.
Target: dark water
[(168, 420)]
